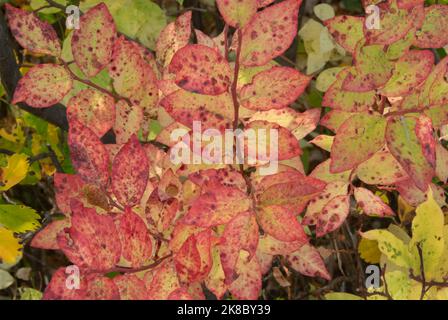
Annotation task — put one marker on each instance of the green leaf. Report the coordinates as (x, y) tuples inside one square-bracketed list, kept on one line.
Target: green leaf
[(18, 218), (341, 296), (30, 294), (356, 141), (6, 279)]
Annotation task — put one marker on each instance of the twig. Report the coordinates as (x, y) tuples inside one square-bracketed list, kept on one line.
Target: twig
[(135, 270)]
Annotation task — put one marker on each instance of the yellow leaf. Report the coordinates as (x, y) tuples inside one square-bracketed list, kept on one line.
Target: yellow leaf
[(398, 284), (341, 296), (369, 252), (427, 232), (14, 172), (391, 246), (9, 246)]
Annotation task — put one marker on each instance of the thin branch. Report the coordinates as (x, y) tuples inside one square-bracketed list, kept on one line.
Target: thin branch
[(422, 271), (144, 268)]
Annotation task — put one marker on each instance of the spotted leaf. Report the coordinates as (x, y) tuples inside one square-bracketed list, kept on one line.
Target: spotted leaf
[(237, 13), (275, 88), (92, 43), (371, 204), (269, 33), (308, 262), (201, 69), (31, 33), (356, 141), (43, 86)]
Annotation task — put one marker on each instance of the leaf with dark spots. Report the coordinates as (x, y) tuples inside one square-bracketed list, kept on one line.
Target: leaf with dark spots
[(130, 172), (93, 109), (270, 33), (89, 156), (136, 242), (92, 240), (275, 88), (31, 33), (201, 69), (92, 43), (43, 86)]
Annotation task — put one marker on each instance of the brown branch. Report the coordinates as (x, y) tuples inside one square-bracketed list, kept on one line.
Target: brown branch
[(144, 268), (422, 270)]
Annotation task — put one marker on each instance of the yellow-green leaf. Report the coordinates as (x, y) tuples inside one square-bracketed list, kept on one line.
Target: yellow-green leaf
[(18, 218), (14, 172)]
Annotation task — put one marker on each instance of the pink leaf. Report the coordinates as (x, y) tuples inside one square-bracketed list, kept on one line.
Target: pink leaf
[(89, 156), (333, 215), (248, 284), (217, 206), (131, 287), (280, 223), (135, 239), (130, 171), (308, 262), (275, 88), (92, 241), (175, 36), (31, 33), (241, 233), (43, 86), (201, 69), (93, 109), (93, 42), (128, 121), (269, 33), (371, 204)]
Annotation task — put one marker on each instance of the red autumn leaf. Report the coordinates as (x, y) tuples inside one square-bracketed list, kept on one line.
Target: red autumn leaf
[(93, 42), (212, 111), (92, 240), (57, 288), (269, 33), (371, 204), (130, 171), (201, 69), (318, 203), (333, 215), (132, 75), (180, 294), (193, 261), (308, 262), (430, 35), (93, 109), (241, 233), (424, 132), (217, 206), (356, 141), (281, 223), (334, 119), (275, 88), (89, 156), (405, 146), (43, 86), (128, 121), (100, 287), (212, 177), (31, 33), (271, 246), (67, 186), (248, 284), (163, 283), (286, 145), (131, 287), (237, 13), (135, 239), (290, 189), (173, 37), (46, 238)]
